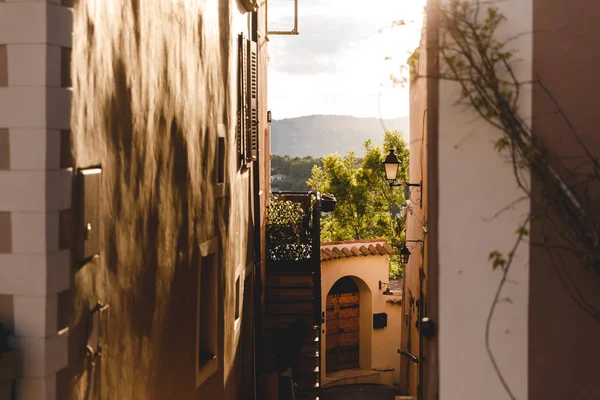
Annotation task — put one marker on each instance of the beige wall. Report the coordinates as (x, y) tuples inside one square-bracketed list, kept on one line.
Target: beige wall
[(474, 184), (560, 332), (35, 186), (153, 82), (377, 347), (540, 330), (416, 218)]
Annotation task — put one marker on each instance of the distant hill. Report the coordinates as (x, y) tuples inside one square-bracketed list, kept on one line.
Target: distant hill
[(318, 135)]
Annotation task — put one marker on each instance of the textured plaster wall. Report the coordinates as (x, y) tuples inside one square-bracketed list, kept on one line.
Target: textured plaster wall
[(152, 80), (475, 183), (377, 347), (565, 59), (416, 217), (35, 190)]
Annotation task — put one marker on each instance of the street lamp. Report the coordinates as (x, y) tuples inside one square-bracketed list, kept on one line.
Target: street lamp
[(392, 166), (405, 252)]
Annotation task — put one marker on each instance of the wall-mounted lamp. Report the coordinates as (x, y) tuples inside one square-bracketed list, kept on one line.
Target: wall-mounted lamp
[(392, 166), (387, 290), (405, 252)]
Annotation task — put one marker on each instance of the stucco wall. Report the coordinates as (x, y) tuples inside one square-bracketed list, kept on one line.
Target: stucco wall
[(565, 59), (416, 219), (152, 83), (35, 187), (474, 184), (367, 271)]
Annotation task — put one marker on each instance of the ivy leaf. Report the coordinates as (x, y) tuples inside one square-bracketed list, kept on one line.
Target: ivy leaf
[(497, 259), (501, 144)]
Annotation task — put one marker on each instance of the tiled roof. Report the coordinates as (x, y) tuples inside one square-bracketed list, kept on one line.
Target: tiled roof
[(396, 285), (354, 248)]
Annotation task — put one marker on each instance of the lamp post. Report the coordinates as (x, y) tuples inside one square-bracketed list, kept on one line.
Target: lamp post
[(392, 167)]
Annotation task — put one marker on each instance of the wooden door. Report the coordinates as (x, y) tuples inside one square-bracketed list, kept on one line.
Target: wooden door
[(342, 317)]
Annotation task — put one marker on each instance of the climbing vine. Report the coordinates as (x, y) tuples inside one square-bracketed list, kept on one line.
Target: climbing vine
[(559, 189)]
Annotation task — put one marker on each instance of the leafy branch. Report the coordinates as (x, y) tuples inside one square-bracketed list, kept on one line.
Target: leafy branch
[(504, 263)]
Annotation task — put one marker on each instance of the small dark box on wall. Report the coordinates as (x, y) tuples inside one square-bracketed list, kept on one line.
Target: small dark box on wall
[(87, 230), (379, 320)]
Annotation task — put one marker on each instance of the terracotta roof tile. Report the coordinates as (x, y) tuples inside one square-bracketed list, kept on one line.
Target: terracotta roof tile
[(338, 252), (329, 253), (355, 242), (396, 285), (354, 248), (388, 248)]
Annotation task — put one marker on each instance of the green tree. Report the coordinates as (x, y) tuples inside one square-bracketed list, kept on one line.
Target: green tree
[(297, 171), (367, 208)]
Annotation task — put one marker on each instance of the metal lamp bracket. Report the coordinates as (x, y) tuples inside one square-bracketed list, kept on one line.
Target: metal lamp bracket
[(294, 31), (408, 192)]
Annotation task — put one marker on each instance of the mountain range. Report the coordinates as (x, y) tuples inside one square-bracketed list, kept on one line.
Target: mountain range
[(318, 135)]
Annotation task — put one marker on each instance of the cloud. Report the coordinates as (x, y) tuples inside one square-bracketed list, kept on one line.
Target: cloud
[(322, 40), (337, 63)]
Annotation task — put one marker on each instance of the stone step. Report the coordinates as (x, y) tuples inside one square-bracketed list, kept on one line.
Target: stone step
[(351, 376)]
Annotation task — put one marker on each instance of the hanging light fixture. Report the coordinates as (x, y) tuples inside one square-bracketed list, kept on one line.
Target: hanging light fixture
[(387, 290), (404, 254), (392, 166)]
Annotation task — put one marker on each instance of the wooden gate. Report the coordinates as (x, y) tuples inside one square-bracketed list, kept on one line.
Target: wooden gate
[(342, 316)]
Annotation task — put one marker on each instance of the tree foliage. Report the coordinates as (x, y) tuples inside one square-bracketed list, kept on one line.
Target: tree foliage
[(297, 171), (367, 208)]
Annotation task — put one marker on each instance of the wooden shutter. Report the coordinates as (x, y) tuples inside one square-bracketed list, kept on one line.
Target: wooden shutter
[(252, 93), (242, 98)]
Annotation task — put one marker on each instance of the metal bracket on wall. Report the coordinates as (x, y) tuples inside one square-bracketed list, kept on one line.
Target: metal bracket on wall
[(87, 228), (408, 355), (97, 330), (249, 5), (294, 31)]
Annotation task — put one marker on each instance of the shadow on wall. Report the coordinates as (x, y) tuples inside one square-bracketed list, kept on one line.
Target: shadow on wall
[(158, 195)]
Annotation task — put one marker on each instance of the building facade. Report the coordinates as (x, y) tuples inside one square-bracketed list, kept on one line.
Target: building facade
[(362, 315), (470, 210), (133, 179)]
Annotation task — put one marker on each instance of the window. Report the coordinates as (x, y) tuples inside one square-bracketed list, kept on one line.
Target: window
[(207, 323), (247, 115)]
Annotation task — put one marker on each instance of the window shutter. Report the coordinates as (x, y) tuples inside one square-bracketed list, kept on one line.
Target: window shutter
[(242, 96), (252, 93)]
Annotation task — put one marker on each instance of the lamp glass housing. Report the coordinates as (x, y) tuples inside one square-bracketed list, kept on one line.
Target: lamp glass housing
[(392, 165)]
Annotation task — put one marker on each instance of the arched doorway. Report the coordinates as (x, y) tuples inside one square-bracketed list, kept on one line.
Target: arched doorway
[(343, 325)]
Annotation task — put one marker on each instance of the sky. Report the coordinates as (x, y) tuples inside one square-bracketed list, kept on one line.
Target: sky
[(342, 61)]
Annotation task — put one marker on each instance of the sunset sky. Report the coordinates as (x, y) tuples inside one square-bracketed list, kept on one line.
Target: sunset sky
[(337, 65)]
